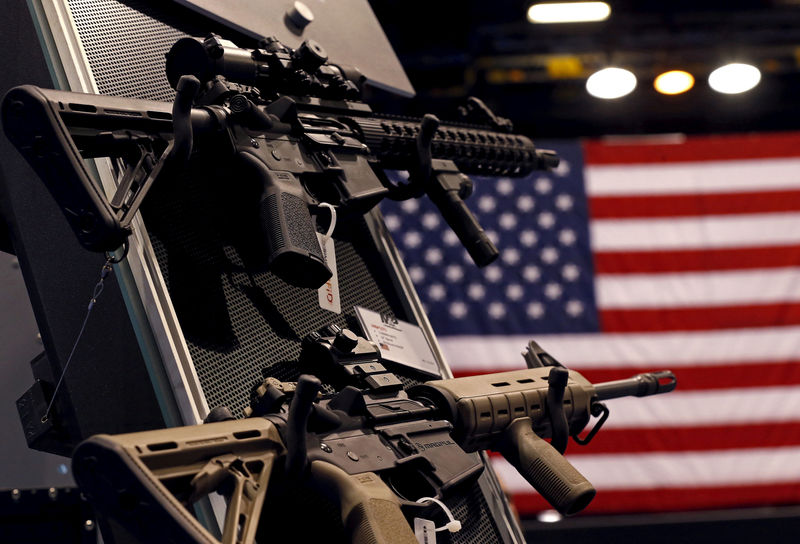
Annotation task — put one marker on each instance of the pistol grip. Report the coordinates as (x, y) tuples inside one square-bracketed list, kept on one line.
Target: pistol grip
[(370, 510), (295, 255), (545, 469)]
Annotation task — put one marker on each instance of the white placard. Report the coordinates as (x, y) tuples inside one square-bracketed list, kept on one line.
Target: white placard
[(400, 342)]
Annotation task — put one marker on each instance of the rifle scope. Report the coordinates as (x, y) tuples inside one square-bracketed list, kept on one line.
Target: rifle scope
[(272, 68)]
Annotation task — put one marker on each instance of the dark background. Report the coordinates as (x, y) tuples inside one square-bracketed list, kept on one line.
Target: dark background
[(452, 49), (456, 48)]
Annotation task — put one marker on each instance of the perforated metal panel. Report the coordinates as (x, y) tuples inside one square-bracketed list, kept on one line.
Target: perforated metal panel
[(240, 324), (125, 44)]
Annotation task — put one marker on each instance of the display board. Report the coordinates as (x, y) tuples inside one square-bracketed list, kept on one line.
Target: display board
[(203, 328)]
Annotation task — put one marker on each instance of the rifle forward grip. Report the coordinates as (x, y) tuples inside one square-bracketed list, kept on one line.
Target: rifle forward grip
[(545, 469), (464, 224), (370, 510)]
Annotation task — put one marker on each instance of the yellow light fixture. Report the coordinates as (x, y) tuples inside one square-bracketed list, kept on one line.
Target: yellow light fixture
[(674, 82), (569, 12), (564, 67)]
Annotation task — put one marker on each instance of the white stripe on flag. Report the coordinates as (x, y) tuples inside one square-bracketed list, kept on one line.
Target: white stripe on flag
[(713, 231), (697, 289), (693, 177), (633, 350), (665, 470), (710, 407)]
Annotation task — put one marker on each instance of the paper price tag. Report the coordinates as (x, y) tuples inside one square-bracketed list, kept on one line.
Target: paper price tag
[(425, 531), (329, 293)]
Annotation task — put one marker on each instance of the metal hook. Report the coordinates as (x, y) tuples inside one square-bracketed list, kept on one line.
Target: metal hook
[(111, 256)]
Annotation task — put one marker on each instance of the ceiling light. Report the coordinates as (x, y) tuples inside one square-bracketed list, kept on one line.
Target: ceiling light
[(549, 516), (611, 83), (569, 12), (734, 78), (674, 82)]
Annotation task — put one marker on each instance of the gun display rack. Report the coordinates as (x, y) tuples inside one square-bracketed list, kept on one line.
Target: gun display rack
[(257, 141), (228, 326)]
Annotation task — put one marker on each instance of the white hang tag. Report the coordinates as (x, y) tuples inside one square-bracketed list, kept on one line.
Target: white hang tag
[(329, 293), (425, 531)]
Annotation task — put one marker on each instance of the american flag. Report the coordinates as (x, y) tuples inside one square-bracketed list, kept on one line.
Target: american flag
[(637, 255)]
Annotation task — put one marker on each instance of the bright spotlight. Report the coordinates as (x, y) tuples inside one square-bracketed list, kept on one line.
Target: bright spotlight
[(611, 83), (674, 82), (569, 12), (734, 78), (549, 516)]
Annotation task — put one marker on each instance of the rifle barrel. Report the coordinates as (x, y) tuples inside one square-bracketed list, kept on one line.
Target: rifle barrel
[(641, 385)]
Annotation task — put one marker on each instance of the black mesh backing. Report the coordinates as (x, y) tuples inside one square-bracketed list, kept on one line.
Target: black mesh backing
[(123, 63), (240, 324)]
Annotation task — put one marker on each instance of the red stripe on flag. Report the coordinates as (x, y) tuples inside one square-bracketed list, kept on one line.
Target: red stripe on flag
[(617, 207), (695, 319), (698, 148), (674, 499), (683, 439), (730, 376), (634, 262)]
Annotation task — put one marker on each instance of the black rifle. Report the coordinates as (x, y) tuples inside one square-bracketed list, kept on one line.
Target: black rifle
[(372, 448), (284, 121)]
